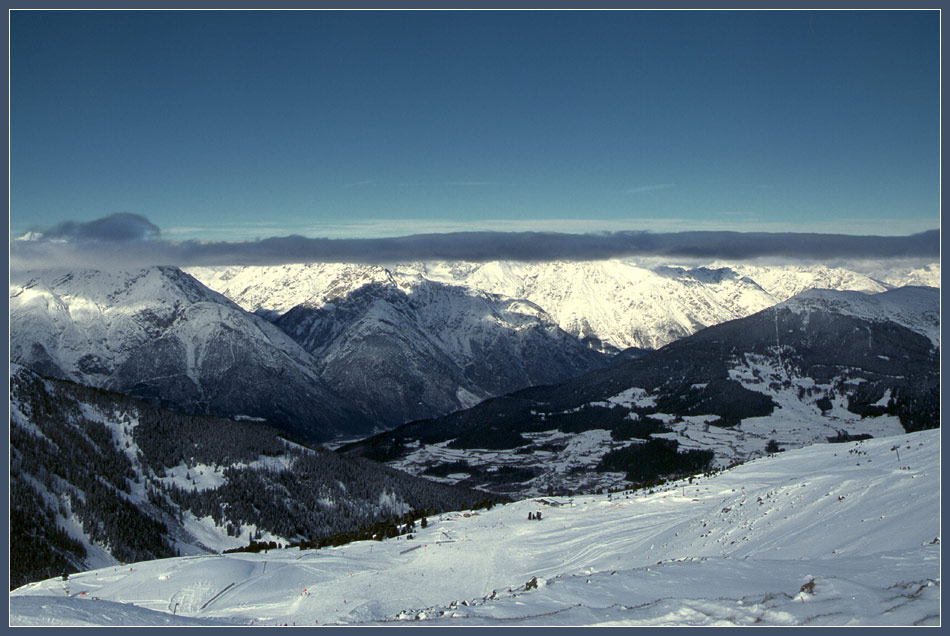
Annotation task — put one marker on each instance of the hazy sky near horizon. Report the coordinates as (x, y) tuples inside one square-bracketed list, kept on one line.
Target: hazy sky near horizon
[(221, 125)]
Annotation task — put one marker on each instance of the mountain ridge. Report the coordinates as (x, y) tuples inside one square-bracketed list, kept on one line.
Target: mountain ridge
[(610, 304), (161, 335), (100, 478)]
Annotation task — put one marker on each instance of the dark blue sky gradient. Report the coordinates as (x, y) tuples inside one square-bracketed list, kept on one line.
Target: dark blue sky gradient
[(244, 124)]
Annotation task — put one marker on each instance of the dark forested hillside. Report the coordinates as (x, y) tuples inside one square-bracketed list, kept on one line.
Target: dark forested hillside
[(98, 476), (822, 363)]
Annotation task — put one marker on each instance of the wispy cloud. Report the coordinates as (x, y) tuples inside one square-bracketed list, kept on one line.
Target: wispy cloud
[(357, 184), (649, 188), (735, 213), (449, 184), (137, 249)]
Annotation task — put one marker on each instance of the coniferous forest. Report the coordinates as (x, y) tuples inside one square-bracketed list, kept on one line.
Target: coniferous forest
[(94, 464)]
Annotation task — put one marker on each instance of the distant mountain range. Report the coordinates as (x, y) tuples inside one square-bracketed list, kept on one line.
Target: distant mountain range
[(610, 305), (329, 350), (378, 355)]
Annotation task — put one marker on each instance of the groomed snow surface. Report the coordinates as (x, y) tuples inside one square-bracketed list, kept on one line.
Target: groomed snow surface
[(831, 534)]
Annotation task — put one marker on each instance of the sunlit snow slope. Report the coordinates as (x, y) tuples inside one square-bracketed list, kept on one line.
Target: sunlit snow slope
[(833, 534)]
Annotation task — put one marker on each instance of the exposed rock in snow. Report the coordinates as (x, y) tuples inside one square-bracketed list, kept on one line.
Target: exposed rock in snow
[(415, 348)]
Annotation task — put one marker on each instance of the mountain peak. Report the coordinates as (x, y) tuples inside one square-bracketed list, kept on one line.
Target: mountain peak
[(914, 307)]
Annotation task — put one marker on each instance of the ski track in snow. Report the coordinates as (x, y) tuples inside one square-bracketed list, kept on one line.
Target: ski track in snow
[(831, 534)]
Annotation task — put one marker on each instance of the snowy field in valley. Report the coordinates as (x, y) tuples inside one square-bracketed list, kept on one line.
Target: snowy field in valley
[(797, 421), (832, 534)]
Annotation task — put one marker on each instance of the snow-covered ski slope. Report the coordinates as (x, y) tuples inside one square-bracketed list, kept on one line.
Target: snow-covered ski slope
[(832, 534)]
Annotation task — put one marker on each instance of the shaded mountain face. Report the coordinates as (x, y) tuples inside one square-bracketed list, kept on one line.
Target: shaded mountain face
[(99, 478), (346, 362), (821, 365), (409, 349), (160, 335)]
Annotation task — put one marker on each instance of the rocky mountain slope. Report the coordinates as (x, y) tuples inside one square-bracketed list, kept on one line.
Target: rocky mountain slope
[(160, 335), (408, 348)]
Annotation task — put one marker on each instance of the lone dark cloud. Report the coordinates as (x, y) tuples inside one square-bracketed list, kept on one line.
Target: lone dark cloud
[(128, 240), (116, 227)]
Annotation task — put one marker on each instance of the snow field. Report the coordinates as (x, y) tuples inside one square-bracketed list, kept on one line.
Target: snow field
[(570, 468), (832, 534)]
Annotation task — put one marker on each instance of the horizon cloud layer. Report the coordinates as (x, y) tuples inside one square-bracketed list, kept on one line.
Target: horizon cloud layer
[(130, 240)]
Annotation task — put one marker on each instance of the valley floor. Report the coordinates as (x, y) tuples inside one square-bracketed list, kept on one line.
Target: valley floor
[(832, 534)]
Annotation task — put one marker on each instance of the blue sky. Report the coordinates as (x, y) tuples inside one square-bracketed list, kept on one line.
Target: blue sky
[(239, 125)]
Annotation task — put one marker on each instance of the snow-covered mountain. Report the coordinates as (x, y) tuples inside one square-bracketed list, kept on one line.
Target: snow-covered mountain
[(916, 308), (784, 281), (617, 302), (161, 335), (392, 349), (822, 365), (276, 289), (610, 304), (409, 348), (902, 276), (832, 534)]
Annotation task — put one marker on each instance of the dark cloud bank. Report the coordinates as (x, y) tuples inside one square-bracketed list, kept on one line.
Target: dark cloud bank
[(116, 227), (128, 240)]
